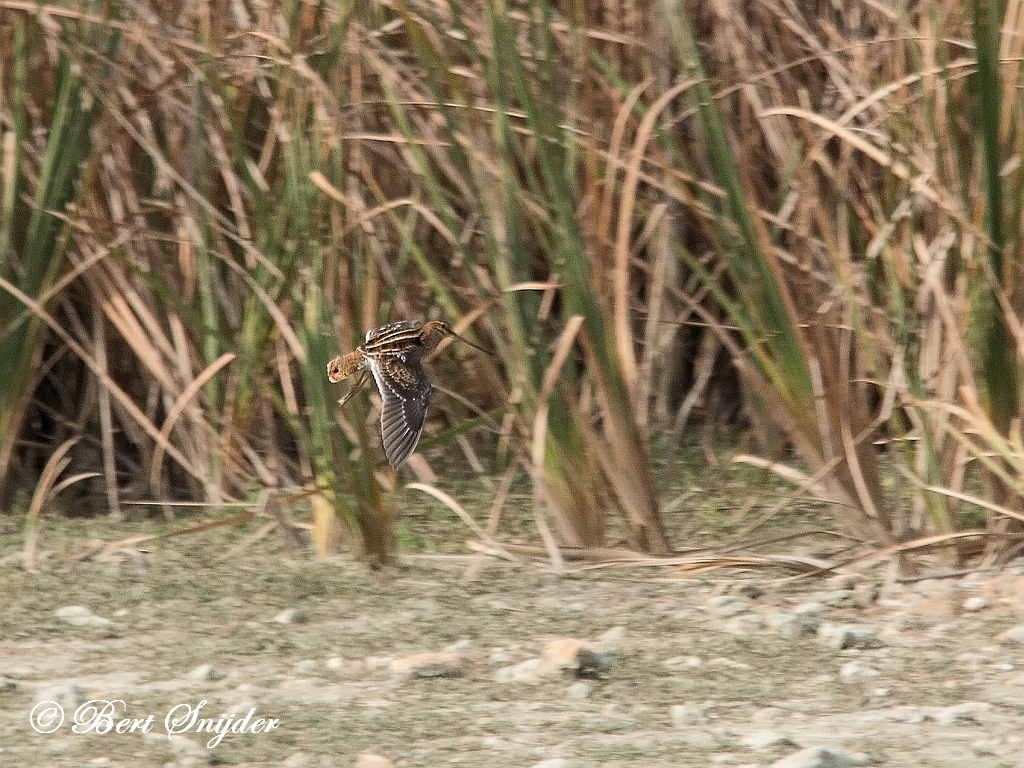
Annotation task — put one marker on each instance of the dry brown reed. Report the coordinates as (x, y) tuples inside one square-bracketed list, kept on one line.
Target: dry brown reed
[(788, 212)]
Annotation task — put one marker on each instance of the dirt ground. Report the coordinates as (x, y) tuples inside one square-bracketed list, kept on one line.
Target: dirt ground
[(734, 668)]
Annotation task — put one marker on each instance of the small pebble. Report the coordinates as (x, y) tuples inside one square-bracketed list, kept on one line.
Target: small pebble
[(611, 636), (767, 740), (834, 596), (815, 757), (79, 616), (966, 712), (683, 661), (578, 690), (727, 605), (793, 625), (975, 603), (687, 714), (810, 608), (751, 591), (70, 696), (186, 751), (1012, 636), (524, 671), (568, 654), (500, 656), (594, 663), (743, 624), (865, 594), (429, 664), (291, 616), (845, 581), (844, 636), (855, 670), (205, 673)]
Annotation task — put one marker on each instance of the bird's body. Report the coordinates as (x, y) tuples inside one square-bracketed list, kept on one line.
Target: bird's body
[(393, 354)]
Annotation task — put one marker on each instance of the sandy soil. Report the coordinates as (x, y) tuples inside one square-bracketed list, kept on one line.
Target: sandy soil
[(738, 668)]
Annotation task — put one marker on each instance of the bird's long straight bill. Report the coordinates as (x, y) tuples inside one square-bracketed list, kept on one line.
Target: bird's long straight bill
[(475, 346)]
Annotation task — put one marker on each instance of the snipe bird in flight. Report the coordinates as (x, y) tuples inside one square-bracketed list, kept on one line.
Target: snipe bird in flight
[(393, 354)]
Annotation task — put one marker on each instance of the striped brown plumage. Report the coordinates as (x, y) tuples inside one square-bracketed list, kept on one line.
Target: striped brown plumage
[(393, 354)]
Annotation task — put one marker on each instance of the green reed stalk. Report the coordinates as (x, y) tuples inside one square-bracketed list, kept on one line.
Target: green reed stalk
[(32, 234)]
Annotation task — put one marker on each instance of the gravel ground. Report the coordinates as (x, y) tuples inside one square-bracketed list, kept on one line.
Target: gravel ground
[(516, 667)]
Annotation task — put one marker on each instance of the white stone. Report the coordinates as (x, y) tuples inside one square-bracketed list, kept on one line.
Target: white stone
[(966, 712), (687, 714), (815, 757), (204, 673), (843, 636), (524, 671), (612, 636), (975, 603), (1012, 636), (767, 740), (727, 605), (578, 690), (683, 661), (291, 616), (809, 608), (855, 670), (79, 616)]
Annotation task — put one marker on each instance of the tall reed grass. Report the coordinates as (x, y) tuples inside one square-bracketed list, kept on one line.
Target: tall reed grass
[(627, 202)]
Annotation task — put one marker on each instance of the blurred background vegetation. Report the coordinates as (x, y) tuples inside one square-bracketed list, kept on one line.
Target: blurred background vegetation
[(802, 220)]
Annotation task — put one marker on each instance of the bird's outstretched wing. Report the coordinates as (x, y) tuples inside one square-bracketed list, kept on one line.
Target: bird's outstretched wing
[(405, 390)]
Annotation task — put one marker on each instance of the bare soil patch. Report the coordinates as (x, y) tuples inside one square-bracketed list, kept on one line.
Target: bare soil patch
[(731, 669)]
